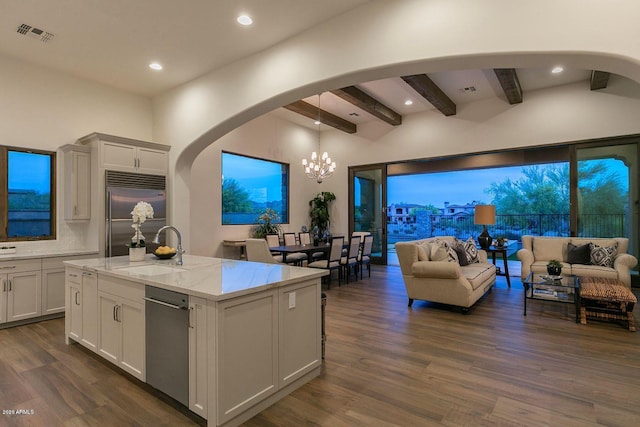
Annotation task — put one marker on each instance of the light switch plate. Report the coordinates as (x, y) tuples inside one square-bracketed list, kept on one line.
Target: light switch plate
[(292, 300)]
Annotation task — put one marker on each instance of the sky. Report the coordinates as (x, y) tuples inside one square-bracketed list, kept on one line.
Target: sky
[(261, 178), (462, 187), (29, 171), (458, 187)]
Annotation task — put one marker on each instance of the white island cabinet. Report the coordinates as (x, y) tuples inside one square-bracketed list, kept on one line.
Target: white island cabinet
[(254, 329)]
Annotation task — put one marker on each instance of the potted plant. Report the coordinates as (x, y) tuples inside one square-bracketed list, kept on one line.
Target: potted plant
[(554, 267), (501, 241), (267, 223), (319, 213)]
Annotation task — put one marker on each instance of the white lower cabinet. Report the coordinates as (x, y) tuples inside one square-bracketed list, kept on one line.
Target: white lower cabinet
[(247, 348), (300, 350), (121, 327), (53, 291), (198, 370), (81, 294), (21, 290)]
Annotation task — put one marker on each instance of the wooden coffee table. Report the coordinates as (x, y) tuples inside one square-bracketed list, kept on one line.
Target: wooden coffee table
[(606, 299)]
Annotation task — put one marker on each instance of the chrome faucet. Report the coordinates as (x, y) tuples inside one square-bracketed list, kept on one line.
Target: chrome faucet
[(179, 250)]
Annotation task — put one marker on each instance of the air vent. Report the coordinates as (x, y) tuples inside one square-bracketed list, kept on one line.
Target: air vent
[(134, 180), (467, 89), (35, 33)]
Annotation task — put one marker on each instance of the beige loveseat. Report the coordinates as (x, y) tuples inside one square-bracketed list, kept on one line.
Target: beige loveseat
[(537, 251), (443, 281)]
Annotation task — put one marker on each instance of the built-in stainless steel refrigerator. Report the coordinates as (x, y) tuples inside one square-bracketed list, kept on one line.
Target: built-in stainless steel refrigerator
[(123, 191)]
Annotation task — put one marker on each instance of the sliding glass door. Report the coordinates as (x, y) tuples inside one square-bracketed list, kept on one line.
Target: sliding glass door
[(367, 193), (606, 196)]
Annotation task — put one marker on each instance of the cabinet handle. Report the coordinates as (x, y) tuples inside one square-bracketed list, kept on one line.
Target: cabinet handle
[(10, 285), (73, 275), (190, 314), (118, 307), (86, 273), (77, 303), (8, 267), (114, 313)]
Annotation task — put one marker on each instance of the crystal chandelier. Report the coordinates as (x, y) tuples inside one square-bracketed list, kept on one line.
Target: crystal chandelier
[(321, 167)]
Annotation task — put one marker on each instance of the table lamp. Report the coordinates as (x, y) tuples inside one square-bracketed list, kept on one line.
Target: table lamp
[(485, 215)]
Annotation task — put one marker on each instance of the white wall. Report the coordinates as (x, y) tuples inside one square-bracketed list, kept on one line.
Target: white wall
[(44, 109)]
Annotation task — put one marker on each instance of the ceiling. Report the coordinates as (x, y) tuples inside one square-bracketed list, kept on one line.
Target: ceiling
[(112, 42)]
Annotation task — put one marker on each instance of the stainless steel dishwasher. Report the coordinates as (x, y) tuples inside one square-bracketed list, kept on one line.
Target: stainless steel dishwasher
[(167, 342)]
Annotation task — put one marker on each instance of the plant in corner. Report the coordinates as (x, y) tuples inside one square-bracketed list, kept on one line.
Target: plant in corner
[(267, 223), (554, 267), (319, 213)]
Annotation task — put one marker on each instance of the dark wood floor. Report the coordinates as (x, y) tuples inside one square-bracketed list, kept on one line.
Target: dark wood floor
[(386, 364)]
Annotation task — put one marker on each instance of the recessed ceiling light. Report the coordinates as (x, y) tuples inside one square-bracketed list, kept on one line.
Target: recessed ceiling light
[(408, 102), (155, 66), (244, 20), (317, 122), (557, 70)]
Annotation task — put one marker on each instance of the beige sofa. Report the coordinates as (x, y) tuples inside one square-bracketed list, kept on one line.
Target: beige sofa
[(443, 281), (537, 251)]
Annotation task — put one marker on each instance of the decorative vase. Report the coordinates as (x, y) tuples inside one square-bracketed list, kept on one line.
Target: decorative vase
[(484, 239), (137, 254), (554, 271)]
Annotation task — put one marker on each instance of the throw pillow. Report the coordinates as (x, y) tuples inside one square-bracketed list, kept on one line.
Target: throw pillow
[(603, 255), (438, 253), (462, 255), (471, 250), (452, 256), (579, 254), (423, 252)]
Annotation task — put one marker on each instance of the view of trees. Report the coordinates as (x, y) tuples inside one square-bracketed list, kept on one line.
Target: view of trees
[(545, 190), (541, 190), (235, 198)]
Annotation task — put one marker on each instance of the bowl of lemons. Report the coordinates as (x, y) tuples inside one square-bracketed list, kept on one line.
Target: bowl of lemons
[(165, 252)]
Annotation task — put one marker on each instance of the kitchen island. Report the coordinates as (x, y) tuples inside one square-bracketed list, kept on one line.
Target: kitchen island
[(254, 330)]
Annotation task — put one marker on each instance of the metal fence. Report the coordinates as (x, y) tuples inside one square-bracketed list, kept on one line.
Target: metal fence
[(512, 227)]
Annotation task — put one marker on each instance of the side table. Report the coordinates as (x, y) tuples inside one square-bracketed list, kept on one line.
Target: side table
[(493, 250)]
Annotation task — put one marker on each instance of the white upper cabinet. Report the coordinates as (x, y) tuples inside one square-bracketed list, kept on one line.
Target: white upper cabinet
[(129, 155), (77, 174)]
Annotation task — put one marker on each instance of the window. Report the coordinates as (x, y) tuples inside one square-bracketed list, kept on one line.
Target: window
[(250, 186), (27, 194)]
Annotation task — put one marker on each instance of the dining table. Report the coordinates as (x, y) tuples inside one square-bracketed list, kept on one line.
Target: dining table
[(307, 249)]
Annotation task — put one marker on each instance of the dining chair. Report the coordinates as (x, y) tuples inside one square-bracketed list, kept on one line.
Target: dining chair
[(333, 260), (350, 262), (296, 258), (305, 239), (364, 256), (257, 250)]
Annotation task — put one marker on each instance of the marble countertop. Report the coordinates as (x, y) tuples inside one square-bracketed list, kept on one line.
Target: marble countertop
[(31, 255), (211, 278)]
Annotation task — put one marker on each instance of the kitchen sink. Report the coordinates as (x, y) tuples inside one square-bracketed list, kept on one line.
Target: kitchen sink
[(150, 270)]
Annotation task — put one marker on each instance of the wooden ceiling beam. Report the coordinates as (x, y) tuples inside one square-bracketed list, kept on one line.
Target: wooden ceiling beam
[(313, 112), (369, 104), (422, 84), (599, 79), (510, 84)]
